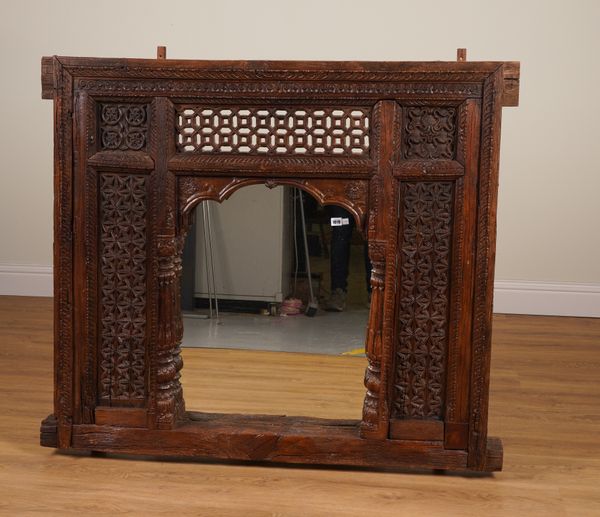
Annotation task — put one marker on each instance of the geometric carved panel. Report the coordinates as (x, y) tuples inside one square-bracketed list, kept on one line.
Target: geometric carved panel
[(424, 292), (123, 248), (123, 126), (429, 133), (273, 130)]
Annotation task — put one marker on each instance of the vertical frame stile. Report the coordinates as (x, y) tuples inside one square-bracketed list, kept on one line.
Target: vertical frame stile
[(382, 250), (463, 263), (392, 198), (79, 305), (85, 281), (484, 269), (168, 408), (63, 253), (373, 421), (152, 268), (90, 371)]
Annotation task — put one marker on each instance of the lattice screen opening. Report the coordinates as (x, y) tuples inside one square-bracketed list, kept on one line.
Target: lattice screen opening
[(280, 131)]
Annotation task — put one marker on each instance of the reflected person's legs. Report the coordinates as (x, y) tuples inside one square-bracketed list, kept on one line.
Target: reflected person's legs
[(341, 236)]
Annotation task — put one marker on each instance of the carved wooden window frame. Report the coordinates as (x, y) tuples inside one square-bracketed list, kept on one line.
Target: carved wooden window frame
[(124, 190)]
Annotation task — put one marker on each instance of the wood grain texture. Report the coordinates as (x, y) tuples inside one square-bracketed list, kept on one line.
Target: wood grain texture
[(545, 391)]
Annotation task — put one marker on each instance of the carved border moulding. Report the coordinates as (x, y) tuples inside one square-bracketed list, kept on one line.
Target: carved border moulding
[(301, 89), (393, 143), (272, 165)]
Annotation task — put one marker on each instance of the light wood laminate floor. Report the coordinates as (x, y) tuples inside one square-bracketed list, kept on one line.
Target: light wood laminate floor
[(545, 405)]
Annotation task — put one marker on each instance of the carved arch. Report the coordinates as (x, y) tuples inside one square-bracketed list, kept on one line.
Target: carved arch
[(351, 194)]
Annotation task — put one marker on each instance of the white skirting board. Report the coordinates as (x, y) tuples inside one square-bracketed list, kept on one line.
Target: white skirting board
[(547, 298), (26, 280), (510, 296)]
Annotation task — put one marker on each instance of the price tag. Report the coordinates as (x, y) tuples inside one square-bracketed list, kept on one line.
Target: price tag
[(340, 221)]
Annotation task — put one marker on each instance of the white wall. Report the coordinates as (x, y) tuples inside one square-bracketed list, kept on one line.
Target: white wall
[(549, 215)]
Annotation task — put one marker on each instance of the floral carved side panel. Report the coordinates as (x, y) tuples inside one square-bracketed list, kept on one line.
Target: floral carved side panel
[(423, 299), (123, 256)]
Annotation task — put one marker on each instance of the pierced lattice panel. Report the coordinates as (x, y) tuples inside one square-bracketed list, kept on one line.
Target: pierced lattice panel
[(260, 130)]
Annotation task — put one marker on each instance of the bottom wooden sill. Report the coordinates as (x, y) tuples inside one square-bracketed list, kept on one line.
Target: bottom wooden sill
[(282, 439)]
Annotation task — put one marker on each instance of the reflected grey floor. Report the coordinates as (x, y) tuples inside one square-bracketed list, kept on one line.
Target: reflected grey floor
[(330, 333)]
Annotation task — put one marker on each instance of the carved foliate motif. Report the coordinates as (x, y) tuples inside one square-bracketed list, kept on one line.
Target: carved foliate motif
[(429, 133), (273, 130), (123, 126), (123, 244), (423, 299)]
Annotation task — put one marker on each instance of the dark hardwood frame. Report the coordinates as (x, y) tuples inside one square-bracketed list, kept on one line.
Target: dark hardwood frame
[(417, 166)]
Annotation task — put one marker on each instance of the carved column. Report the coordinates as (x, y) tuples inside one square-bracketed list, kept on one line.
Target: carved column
[(381, 239), (170, 407), (167, 405), (371, 413)]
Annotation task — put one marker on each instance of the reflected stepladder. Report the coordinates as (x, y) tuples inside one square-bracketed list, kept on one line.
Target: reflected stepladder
[(245, 285)]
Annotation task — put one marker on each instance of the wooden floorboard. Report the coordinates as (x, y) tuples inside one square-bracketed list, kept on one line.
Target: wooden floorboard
[(545, 405)]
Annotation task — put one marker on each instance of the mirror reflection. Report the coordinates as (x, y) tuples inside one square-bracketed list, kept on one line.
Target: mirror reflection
[(271, 269)]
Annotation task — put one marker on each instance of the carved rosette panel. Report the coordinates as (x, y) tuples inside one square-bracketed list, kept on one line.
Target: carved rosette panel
[(424, 293), (123, 126), (429, 133), (123, 248), (273, 130)]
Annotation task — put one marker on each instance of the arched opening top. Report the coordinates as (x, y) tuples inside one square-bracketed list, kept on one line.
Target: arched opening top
[(349, 194)]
